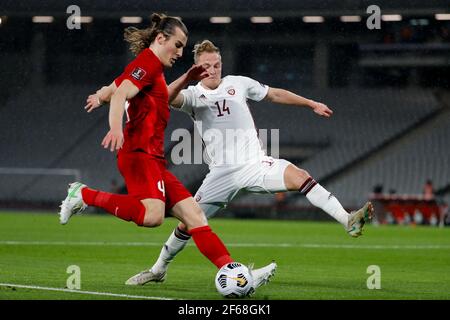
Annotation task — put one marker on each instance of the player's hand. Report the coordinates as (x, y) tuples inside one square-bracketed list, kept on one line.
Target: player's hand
[(113, 138), (197, 73), (321, 109), (93, 102)]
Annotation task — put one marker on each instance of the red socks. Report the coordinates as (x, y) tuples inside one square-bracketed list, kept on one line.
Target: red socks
[(123, 206), (211, 246)]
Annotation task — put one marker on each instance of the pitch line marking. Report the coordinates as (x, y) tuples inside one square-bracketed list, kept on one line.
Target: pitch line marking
[(267, 245), (119, 295)]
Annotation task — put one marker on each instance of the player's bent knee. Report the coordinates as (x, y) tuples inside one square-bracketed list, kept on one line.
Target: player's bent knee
[(303, 174), (295, 177), (153, 219), (154, 212)]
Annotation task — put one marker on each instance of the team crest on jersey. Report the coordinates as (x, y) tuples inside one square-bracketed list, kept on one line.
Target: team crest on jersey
[(138, 73), (270, 162), (231, 91)]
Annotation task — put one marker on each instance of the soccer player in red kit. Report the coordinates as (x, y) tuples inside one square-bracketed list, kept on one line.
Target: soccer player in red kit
[(142, 93)]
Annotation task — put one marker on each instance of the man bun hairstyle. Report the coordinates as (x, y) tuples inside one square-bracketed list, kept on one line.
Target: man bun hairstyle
[(140, 39)]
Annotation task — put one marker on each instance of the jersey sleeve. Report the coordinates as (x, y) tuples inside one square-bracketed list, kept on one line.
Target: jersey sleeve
[(188, 100), (255, 90), (139, 72)]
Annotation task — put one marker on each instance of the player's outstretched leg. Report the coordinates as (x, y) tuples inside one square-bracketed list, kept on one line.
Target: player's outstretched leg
[(125, 207), (298, 179), (358, 218), (353, 222), (73, 203)]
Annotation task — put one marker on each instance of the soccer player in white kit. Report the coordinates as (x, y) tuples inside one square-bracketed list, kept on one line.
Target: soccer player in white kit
[(237, 162)]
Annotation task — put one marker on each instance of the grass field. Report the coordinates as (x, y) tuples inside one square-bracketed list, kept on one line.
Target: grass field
[(316, 260)]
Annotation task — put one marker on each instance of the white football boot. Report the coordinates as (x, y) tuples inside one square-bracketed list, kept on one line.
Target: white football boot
[(144, 277), (262, 275), (73, 204), (357, 219)]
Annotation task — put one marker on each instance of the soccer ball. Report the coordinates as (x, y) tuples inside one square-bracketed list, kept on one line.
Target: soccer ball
[(234, 280)]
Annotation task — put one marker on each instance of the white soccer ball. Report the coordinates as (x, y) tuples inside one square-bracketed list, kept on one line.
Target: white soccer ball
[(234, 280)]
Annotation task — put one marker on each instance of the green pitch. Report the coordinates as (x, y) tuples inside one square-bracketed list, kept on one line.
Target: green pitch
[(316, 260)]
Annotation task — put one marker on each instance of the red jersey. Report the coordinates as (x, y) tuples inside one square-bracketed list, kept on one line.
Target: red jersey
[(148, 112)]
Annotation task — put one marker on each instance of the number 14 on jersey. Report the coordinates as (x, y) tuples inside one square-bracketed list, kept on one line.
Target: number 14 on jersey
[(222, 109)]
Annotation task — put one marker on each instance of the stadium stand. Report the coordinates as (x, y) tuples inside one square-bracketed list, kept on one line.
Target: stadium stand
[(405, 165), (388, 126)]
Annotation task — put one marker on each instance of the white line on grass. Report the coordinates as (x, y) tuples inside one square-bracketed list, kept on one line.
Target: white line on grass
[(83, 292), (263, 245)]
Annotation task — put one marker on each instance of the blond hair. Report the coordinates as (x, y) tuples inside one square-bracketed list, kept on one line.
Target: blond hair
[(140, 39), (204, 46)]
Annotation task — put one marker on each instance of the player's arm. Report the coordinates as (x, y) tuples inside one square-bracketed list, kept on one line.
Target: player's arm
[(126, 91), (282, 96), (195, 73), (103, 95)]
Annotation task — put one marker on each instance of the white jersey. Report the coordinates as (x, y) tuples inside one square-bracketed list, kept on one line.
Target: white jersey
[(223, 119)]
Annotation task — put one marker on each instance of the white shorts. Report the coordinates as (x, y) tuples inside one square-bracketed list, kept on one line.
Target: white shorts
[(222, 184)]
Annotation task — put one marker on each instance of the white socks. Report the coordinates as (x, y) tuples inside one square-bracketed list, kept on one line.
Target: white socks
[(323, 199), (176, 242)]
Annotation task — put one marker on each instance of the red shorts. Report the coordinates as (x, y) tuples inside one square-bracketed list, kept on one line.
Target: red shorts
[(147, 177)]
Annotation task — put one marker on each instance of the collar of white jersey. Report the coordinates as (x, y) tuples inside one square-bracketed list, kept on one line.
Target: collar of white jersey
[(203, 90)]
